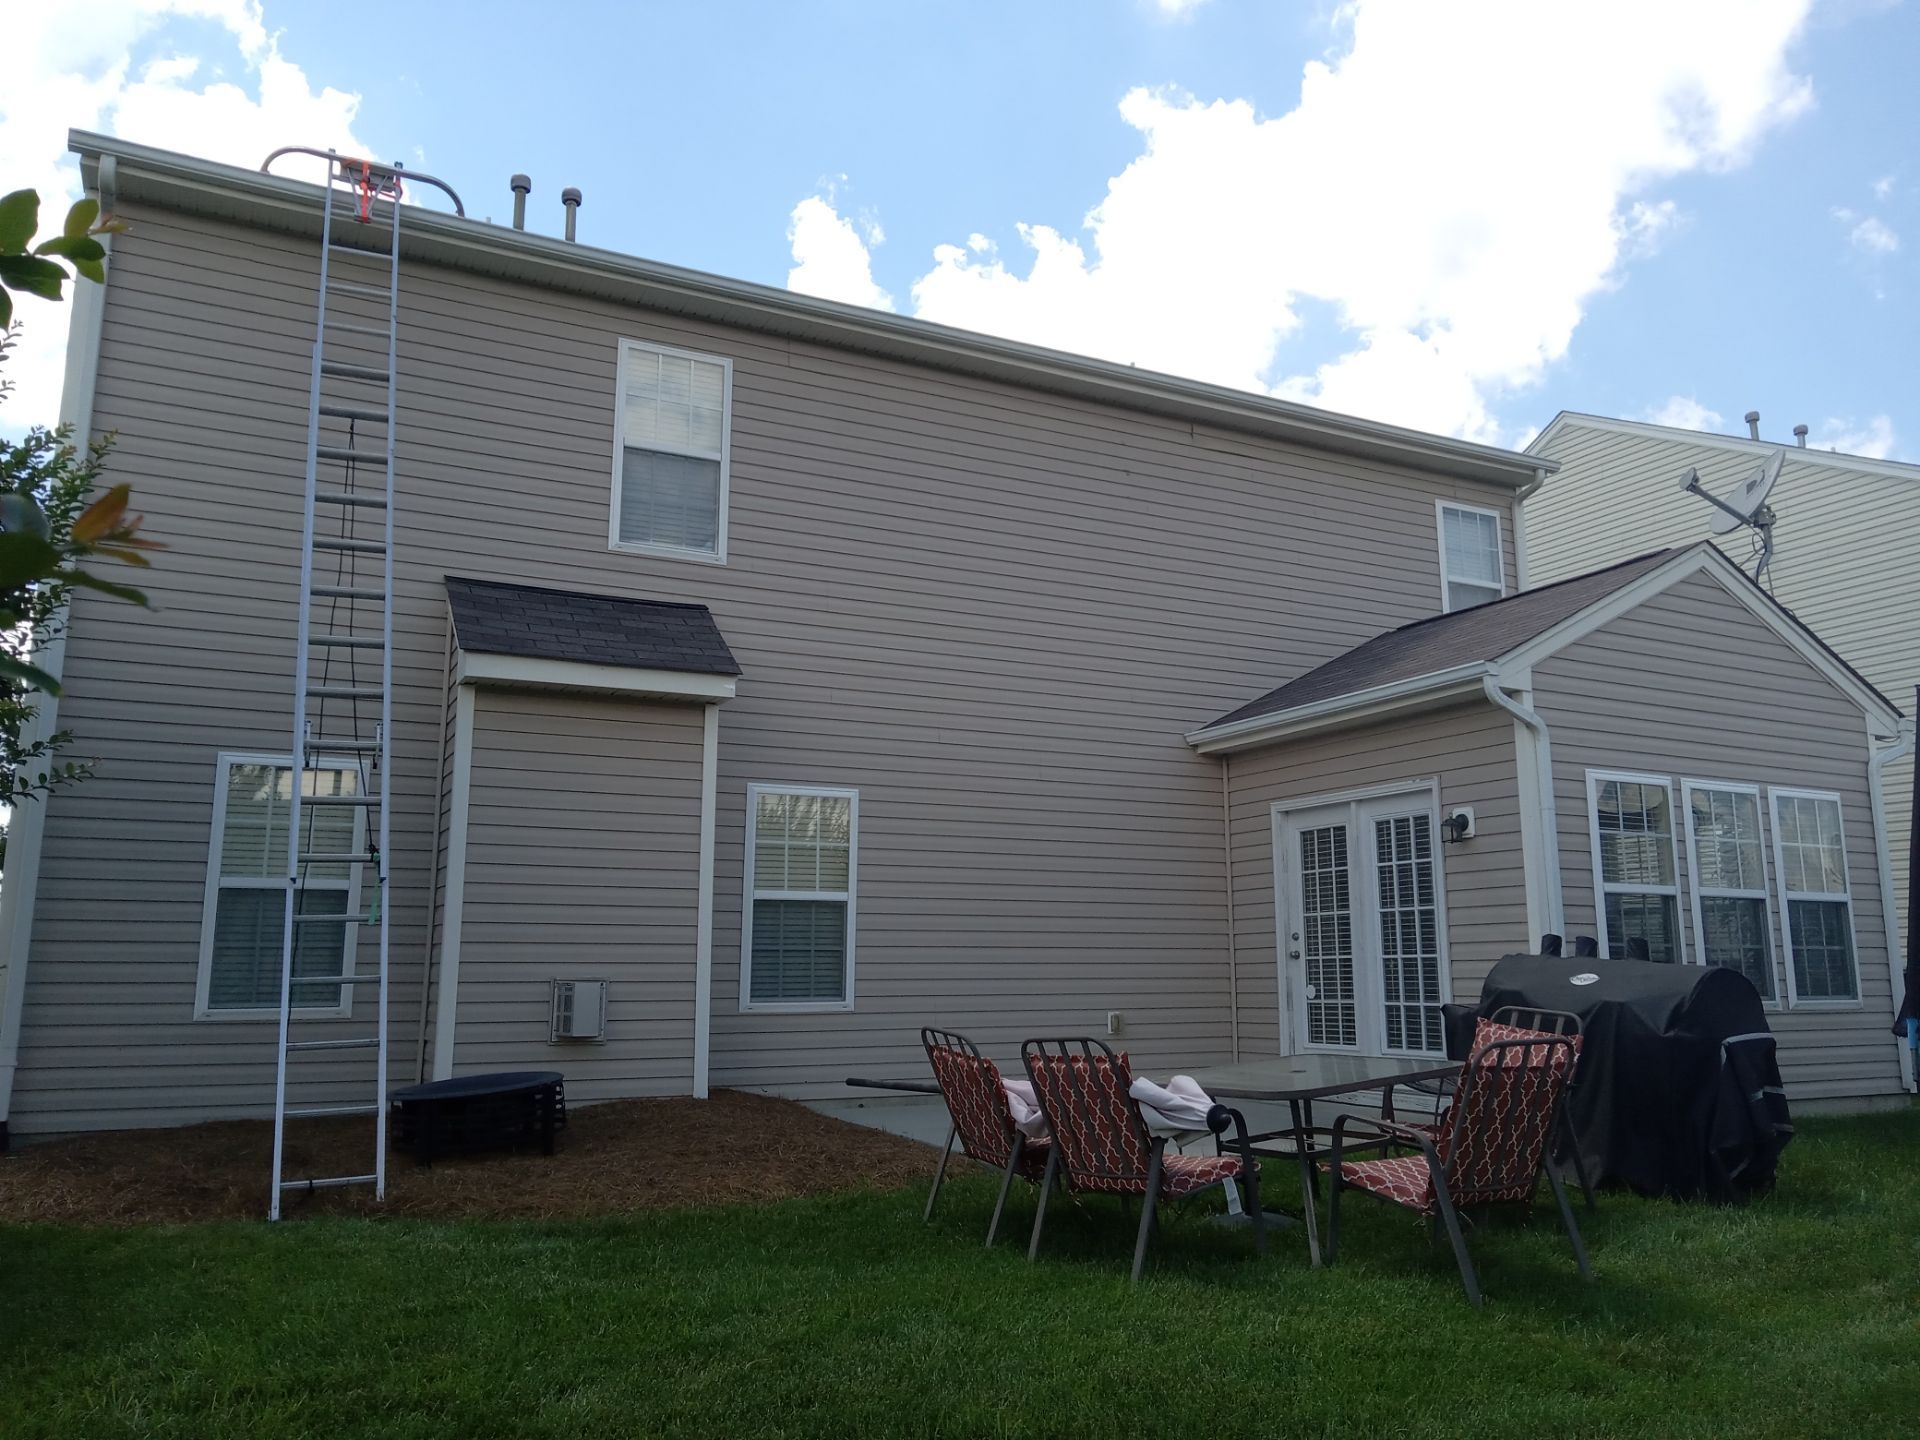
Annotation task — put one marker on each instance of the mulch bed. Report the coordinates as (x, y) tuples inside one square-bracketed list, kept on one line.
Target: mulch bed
[(612, 1159)]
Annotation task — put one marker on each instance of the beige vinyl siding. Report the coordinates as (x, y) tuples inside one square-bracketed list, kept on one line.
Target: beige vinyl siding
[(1689, 686), (582, 859), (1845, 563), (1469, 750), (992, 611)]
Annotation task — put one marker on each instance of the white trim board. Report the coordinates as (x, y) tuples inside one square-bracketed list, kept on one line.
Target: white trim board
[(453, 894), (703, 922), (470, 668), (1419, 692)]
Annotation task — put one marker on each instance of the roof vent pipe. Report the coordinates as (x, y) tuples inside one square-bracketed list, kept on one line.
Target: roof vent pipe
[(1800, 436), (1753, 424), (522, 186), (570, 197)]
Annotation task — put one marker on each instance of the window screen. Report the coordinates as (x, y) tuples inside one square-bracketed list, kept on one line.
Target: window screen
[(670, 490), (1470, 556), (801, 884)]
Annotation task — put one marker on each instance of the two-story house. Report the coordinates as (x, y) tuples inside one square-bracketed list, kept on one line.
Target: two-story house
[(809, 674)]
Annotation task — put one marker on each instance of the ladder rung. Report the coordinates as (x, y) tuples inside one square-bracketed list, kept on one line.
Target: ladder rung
[(354, 457), (342, 747), (314, 1111), (350, 497), (357, 547), (332, 1182), (333, 857), (346, 592), (336, 979), (353, 412), (343, 692), (341, 327), (349, 287), (348, 642), (368, 800), (365, 1042), (340, 370), (371, 254)]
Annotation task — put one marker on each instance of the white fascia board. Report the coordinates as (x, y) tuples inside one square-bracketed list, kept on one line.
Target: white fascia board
[(472, 669), (1416, 693), (1733, 444), (1705, 559), (182, 182)]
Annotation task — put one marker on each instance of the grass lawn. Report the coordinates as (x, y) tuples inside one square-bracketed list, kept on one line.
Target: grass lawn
[(847, 1317)]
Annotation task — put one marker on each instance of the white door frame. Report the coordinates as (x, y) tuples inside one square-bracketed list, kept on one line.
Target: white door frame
[(1363, 897)]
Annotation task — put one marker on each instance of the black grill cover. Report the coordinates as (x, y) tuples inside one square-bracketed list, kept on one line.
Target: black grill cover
[(1678, 1091)]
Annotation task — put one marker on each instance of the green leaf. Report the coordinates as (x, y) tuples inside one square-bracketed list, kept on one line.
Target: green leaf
[(24, 559), (19, 218), (6, 309), (85, 581), (81, 217), (31, 676), (33, 275), (72, 247)]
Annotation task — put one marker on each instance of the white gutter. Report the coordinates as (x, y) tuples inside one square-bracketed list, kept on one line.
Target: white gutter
[(1379, 700), (28, 825), (1539, 815), (703, 923), (1900, 747)]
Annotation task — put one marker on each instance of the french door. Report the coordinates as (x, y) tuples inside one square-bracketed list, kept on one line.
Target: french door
[(1362, 911)]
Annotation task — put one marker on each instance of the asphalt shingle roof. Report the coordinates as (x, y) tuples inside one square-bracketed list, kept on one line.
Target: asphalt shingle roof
[(492, 618), (1441, 642)]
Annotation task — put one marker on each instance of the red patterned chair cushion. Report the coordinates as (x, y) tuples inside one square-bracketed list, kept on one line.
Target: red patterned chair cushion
[(981, 1117), (1404, 1179), (1103, 1143), (1184, 1174), (1505, 1114)]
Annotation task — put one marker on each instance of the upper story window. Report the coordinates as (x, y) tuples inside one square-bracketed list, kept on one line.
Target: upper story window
[(1471, 572), (670, 453)]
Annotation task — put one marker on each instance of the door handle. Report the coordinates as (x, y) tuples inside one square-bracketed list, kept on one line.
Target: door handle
[(1293, 954)]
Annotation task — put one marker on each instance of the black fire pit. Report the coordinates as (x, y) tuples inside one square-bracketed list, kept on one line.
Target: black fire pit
[(480, 1112)]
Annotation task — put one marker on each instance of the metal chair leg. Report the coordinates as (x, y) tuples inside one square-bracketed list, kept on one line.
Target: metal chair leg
[(1147, 1208), (1452, 1220), (1006, 1184), (1040, 1210), (940, 1174), (1253, 1206), (1579, 1164), (1566, 1217)]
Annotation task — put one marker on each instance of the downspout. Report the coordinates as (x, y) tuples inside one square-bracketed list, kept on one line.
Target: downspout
[(28, 823), (1520, 498), (433, 873), (1548, 811), (1233, 941), (1900, 747)]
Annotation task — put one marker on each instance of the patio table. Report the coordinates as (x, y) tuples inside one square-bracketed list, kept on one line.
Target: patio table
[(1299, 1080)]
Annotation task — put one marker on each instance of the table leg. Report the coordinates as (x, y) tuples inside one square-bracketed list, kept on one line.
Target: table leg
[(1302, 1141)]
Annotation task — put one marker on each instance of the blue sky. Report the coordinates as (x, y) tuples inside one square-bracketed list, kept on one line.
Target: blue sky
[(1705, 214)]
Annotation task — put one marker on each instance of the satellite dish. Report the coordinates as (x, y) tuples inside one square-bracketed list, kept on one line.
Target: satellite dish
[(1745, 508)]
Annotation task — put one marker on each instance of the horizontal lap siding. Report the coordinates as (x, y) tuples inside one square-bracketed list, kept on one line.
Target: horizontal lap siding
[(994, 612), (1469, 751), (1845, 565), (1691, 686), (582, 860)]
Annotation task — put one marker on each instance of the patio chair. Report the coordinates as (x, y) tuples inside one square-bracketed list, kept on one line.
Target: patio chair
[(1517, 1022), (1491, 1151), (1101, 1144), (981, 1119)]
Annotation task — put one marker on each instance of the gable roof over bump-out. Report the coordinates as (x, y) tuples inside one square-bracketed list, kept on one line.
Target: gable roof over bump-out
[(1442, 642), (491, 617)]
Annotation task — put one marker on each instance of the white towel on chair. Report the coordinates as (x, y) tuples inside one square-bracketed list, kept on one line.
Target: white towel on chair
[(1026, 1109), (1181, 1105)]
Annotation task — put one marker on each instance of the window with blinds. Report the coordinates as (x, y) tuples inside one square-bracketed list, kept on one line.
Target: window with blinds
[(1730, 917), (670, 452), (802, 859), (1816, 896), (1471, 572), (245, 912), (1636, 864)]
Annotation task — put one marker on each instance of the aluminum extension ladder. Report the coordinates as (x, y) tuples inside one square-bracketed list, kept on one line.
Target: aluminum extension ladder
[(343, 662)]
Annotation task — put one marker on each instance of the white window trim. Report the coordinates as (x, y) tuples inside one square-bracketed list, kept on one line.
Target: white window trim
[(1775, 793), (1699, 891), (1371, 1029), (718, 556), (210, 903), (751, 893), (1603, 888), (1440, 508)]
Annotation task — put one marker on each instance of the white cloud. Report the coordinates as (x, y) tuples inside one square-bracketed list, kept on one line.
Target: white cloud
[(75, 66), (1685, 413), (1883, 187), (1177, 9), (1872, 438), (1874, 236), (831, 259), (1454, 203)]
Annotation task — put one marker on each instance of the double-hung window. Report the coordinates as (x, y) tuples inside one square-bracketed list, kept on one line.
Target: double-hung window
[(670, 453), (1730, 918), (1635, 864), (802, 860), (244, 915), (1816, 900), (1471, 572)]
